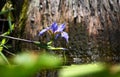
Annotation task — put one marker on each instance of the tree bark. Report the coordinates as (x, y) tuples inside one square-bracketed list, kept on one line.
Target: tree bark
[(93, 26)]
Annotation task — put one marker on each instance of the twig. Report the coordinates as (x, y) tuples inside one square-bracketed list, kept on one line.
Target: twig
[(9, 52), (3, 20), (14, 38)]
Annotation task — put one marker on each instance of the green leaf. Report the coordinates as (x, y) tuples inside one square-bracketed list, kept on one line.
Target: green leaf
[(56, 48), (49, 43), (49, 61), (6, 8), (91, 70), (6, 11), (10, 22), (3, 42), (5, 46), (4, 58)]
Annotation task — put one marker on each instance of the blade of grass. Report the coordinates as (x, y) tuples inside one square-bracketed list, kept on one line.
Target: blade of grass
[(1, 48), (6, 10), (3, 43), (4, 58), (9, 22)]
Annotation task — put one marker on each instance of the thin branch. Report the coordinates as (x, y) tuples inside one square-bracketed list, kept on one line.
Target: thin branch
[(14, 38), (3, 20), (9, 52)]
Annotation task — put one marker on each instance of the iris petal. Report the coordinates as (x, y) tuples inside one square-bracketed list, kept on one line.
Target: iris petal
[(65, 35), (43, 31), (54, 27), (61, 28), (56, 30), (57, 35)]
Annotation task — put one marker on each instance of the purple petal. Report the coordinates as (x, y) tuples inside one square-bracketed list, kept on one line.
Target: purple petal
[(57, 35), (54, 27), (43, 31), (65, 35), (61, 28)]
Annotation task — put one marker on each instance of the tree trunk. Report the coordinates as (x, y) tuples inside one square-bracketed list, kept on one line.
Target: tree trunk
[(93, 26)]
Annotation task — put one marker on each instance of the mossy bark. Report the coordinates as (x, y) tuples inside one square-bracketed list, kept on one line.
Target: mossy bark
[(20, 15)]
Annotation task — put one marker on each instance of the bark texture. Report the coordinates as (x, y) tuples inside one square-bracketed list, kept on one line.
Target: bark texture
[(93, 26)]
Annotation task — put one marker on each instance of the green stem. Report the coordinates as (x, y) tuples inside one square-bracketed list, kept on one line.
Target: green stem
[(16, 38), (4, 58)]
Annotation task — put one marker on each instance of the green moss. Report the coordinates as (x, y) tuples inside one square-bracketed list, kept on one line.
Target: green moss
[(23, 17)]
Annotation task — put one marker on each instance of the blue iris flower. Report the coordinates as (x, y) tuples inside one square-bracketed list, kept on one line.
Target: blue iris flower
[(56, 30)]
